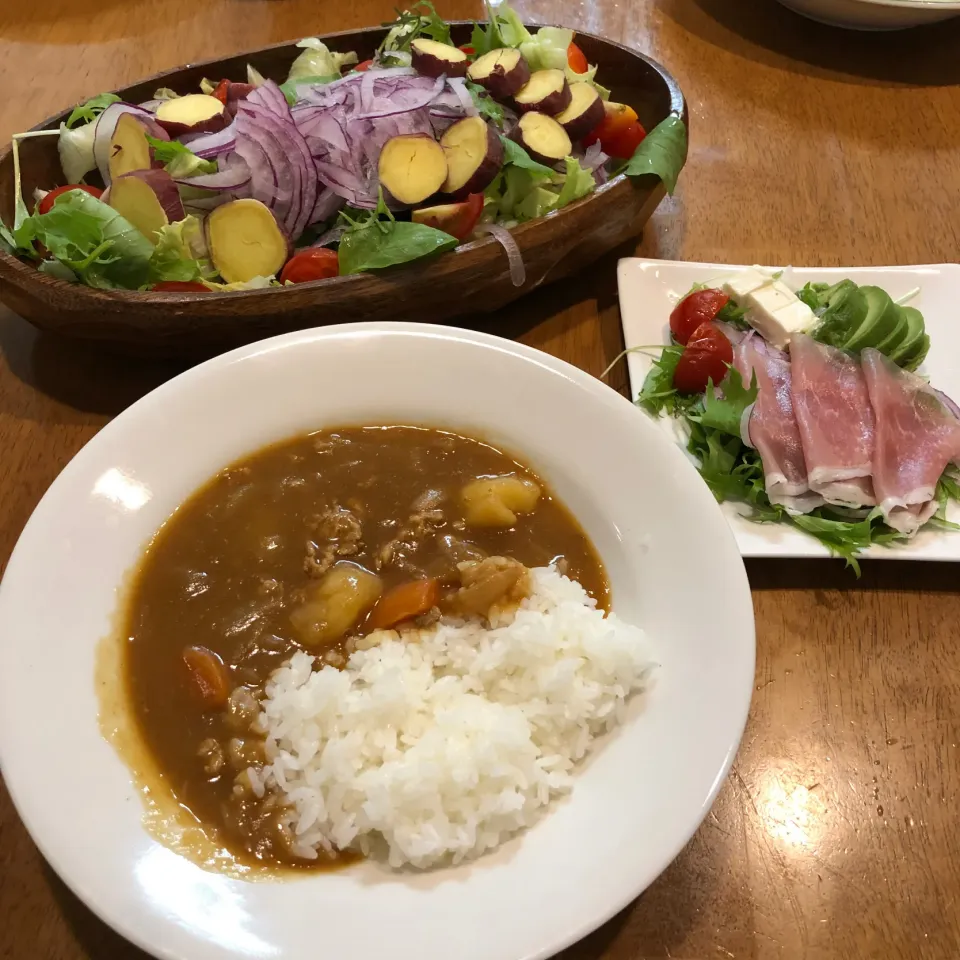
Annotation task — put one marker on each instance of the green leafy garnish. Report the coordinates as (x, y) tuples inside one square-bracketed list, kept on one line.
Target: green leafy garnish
[(420, 20), (180, 253), (724, 413), (663, 152), (658, 394), (515, 154), (372, 243), (91, 109), (487, 106), (577, 182), (289, 87), (179, 160)]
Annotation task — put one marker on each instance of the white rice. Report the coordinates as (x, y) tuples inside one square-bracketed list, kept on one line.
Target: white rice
[(445, 743)]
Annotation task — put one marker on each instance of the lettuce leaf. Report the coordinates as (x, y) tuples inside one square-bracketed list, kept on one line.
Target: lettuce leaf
[(514, 154), (76, 151), (724, 412), (547, 48), (318, 61), (179, 161), (487, 106), (181, 253), (663, 152), (289, 87), (102, 248), (577, 183)]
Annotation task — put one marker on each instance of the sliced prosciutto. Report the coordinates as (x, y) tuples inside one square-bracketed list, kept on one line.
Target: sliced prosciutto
[(773, 426), (836, 422), (917, 435)]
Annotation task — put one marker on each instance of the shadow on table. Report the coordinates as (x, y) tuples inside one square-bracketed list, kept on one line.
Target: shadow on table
[(95, 938), (768, 33), (97, 379), (893, 575)]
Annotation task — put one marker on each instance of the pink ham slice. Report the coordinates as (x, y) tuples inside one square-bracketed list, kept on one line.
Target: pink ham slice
[(773, 427), (916, 437), (836, 422)]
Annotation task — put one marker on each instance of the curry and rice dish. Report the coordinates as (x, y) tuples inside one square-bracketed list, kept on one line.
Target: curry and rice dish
[(377, 641)]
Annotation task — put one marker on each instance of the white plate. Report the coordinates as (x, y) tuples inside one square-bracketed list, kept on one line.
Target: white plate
[(875, 14), (649, 290), (634, 806)]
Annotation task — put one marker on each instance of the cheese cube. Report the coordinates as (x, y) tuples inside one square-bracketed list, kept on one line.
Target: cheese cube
[(744, 283)]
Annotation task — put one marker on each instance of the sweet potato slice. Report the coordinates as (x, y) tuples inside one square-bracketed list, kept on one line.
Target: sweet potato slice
[(502, 72), (194, 113), (129, 149), (434, 59), (457, 219), (149, 199), (245, 241), (547, 91), (474, 156), (584, 112), (412, 167), (542, 137)]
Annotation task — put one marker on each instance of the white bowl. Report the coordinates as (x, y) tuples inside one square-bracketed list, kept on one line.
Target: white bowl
[(875, 14), (674, 569)]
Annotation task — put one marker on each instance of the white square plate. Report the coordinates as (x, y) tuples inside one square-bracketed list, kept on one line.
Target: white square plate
[(649, 289)]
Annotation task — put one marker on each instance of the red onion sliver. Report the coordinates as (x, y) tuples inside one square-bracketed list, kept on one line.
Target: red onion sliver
[(745, 425), (502, 235)]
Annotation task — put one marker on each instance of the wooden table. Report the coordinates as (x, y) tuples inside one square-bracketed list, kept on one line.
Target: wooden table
[(836, 833)]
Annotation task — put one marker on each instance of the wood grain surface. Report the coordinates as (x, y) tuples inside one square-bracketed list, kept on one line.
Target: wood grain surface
[(836, 835)]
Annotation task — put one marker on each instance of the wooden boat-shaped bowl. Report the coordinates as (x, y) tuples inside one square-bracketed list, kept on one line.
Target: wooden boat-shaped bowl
[(474, 278)]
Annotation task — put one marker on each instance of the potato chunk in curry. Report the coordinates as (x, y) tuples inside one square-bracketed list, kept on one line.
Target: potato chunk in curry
[(496, 501), (336, 604)]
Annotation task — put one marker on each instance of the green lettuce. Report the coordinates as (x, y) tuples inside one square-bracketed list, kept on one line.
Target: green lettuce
[(318, 61), (547, 48), (526, 190), (179, 161), (181, 253), (663, 152), (102, 248)]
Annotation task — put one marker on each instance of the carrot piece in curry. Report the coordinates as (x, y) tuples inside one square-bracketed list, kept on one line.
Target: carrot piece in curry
[(404, 602), (207, 676)]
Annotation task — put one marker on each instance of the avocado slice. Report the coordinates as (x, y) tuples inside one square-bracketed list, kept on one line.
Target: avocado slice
[(881, 320), (912, 341), (895, 338), (846, 309), (919, 355)]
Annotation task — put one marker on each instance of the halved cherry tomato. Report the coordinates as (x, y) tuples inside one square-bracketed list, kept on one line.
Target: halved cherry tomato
[(576, 59), (180, 286), (221, 90), (619, 132), (468, 50), (695, 308), (47, 202), (364, 65), (707, 356), (315, 263)]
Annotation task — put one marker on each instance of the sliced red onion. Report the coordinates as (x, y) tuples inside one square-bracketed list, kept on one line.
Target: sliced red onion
[(212, 145), (502, 235), (203, 205), (333, 235), (745, 425), (269, 96), (328, 203), (233, 175), (107, 125), (404, 100), (948, 403), (287, 181), (150, 105)]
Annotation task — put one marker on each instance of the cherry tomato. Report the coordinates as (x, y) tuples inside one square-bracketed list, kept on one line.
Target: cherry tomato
[(221, 90), (180, 286), (47, 202), (315, 263), (468, 50), (576, 59), (619, 132), (365, 65), (695, 308), (707, 356)]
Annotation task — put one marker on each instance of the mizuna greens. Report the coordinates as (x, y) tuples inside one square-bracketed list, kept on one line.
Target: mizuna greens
[(390, 161)]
